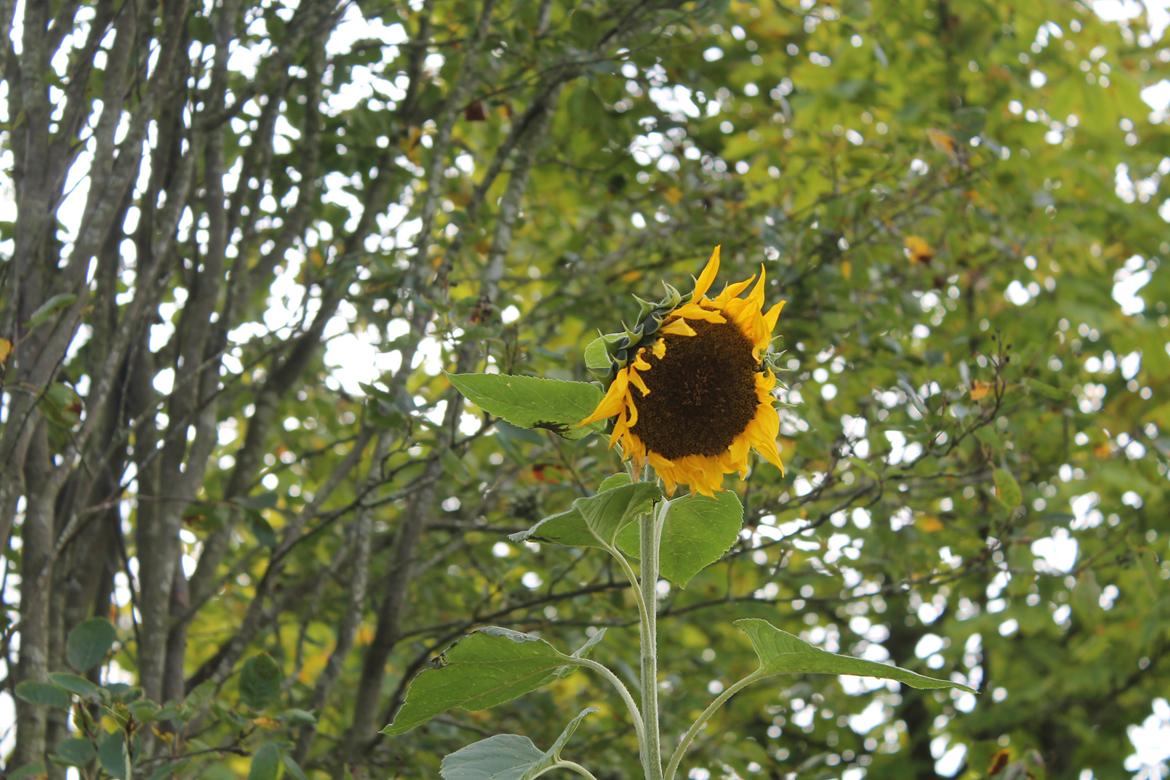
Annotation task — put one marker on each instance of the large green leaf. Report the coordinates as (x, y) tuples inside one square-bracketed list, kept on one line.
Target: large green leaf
[(697, 532), (506, 756), (782, 653), (595, 521), (489, 667), (88, 643), (531, 402)]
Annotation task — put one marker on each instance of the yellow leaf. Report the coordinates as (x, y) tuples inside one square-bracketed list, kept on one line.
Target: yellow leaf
[(5, 349), (673, 195), (941, 141), (918, 250), (980, 389), (847, 270), (632, 275), (929, 524)]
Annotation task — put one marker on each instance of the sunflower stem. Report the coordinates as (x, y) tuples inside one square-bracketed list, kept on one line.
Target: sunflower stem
[(677, 757), (649, 538)]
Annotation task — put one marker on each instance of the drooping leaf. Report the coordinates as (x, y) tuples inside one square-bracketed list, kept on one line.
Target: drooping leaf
[(502, 757), (507, 756), (567, 528), (697, 532), (490, 666), (88, 643), (606, 513), (596, 520), (531, 402), (782, 653)]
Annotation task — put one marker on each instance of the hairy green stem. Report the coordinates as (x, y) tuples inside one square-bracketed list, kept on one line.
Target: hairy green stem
[(649, 537), (631, 576), (622, 691), (712, 708), (570, 765)]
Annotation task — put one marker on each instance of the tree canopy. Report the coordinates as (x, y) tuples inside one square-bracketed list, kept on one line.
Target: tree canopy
[(245, 246)]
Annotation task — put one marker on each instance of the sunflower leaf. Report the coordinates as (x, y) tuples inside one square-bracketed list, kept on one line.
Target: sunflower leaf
[(500, 757), (594, 521), (609, 511), (567, 528), (488, 667), (506, 756), (532, 402), (699, 530), (783, 653)]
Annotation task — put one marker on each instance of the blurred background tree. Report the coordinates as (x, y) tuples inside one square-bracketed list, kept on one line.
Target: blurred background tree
[(242, 240)]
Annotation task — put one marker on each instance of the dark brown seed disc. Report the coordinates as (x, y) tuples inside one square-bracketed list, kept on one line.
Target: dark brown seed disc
[(702, 392)]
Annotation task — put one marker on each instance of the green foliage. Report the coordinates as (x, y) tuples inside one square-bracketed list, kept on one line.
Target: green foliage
[(506, 756), (266, 764), (531, 402), (88, 643), (260, 679), (75, 752), (42, 693), (597, 520), (491, 666), (698, 531), (782, 653), (973, 422)]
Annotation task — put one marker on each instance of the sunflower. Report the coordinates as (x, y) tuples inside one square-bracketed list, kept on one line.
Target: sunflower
[(690, 392)]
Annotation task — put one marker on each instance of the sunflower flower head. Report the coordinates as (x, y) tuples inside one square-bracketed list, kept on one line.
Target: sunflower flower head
[(690, 393)]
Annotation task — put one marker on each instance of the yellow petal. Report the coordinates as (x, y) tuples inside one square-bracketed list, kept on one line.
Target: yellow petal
[(732, 291), (693, 311), (639, 382), (757, 294), (619, 429), (677, 328), (659, 349), (614, 398), (703, 283), (773, 315)]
